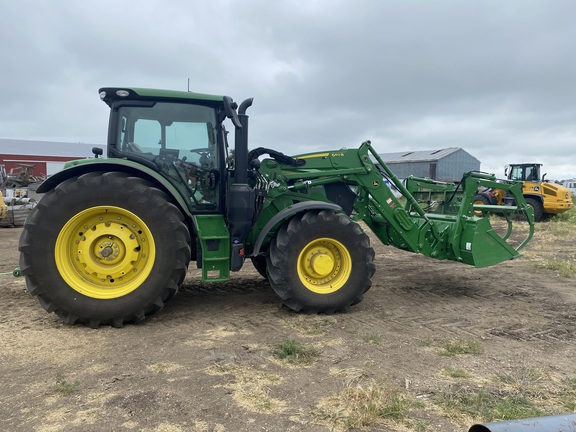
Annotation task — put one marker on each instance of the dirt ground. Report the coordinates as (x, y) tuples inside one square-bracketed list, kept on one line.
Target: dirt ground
[(205, 363)]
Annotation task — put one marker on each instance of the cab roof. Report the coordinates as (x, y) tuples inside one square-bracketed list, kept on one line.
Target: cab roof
[(111, 94)]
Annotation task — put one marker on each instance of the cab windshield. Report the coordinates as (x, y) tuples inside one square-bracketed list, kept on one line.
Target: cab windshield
[(168, 128), (181, 139), (525, 173)]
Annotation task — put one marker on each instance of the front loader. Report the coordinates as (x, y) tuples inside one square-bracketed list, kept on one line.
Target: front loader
[(111, 240)]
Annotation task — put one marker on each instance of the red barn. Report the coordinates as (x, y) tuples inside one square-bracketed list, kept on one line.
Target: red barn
[(48, 157)]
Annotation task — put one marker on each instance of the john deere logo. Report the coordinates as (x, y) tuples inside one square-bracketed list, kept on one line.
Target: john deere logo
[(375, 184)]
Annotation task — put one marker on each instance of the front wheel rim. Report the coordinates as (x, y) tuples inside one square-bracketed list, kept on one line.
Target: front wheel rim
[(105, 252), (324, 265), (478, 212)]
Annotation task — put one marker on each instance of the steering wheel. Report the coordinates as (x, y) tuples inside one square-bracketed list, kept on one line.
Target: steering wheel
[(204, 160)]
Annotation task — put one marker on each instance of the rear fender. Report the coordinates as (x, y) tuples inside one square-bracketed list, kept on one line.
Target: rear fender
[(286, 214), (119, 165)]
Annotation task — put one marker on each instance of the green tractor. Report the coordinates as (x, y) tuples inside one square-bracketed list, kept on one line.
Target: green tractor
[(111, 240)]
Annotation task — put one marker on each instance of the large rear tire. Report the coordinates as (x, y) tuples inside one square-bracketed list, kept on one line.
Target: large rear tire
[(104, 249), (320, 262)]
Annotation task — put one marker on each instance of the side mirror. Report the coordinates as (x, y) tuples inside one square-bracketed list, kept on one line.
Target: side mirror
[(230, 109), (97, 151)]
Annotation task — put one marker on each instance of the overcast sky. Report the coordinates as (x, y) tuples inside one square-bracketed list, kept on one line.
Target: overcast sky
[(497, 78)]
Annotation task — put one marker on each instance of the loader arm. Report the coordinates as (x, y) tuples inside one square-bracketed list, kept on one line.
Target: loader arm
[(424, 216)]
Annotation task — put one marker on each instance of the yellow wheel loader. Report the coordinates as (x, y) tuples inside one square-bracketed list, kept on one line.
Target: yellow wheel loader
[(545, 198)]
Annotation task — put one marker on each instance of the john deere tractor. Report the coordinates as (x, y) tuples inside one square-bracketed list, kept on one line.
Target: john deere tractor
[(111, 240), (545, 198)]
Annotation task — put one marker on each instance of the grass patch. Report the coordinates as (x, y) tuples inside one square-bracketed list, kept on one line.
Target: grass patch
[(250, 387), (556, 227), (372, 338), (568, 398), (428, 343), (488, 405), (551, 248), (520, 393), (311, 325), (363, 404), (453, 372), (295, 352), (564, 268), (65, 387), (568, 217), (452, 347), (522, 379)]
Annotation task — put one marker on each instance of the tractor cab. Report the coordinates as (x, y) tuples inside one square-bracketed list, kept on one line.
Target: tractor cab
[(184, 141), (524, 172)]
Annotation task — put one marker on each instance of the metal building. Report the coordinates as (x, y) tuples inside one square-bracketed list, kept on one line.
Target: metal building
[(448, 164), (48, 157)]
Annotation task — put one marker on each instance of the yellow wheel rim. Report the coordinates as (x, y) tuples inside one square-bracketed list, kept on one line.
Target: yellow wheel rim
[(324, 266), (105, 252), (478, 212)]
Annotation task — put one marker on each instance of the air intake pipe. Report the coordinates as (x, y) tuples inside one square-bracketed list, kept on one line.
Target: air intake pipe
[(241, 144), (240, 197)]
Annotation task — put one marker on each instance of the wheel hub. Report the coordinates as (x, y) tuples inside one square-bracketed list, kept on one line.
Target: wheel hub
[(322, 264), (108, 250)]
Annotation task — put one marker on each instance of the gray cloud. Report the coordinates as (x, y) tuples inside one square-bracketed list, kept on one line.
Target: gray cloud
[(496, 78)]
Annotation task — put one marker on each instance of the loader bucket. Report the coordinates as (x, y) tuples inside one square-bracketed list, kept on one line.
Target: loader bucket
[(449, 211), (481, 246)]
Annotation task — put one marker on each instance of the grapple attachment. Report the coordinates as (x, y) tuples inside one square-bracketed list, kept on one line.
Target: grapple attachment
[(470, 234), (444, 223), (481, 246)]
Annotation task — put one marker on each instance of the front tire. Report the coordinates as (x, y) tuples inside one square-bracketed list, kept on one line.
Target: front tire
[(537, 207), (481, 199), (104, 249), (320, 262)]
